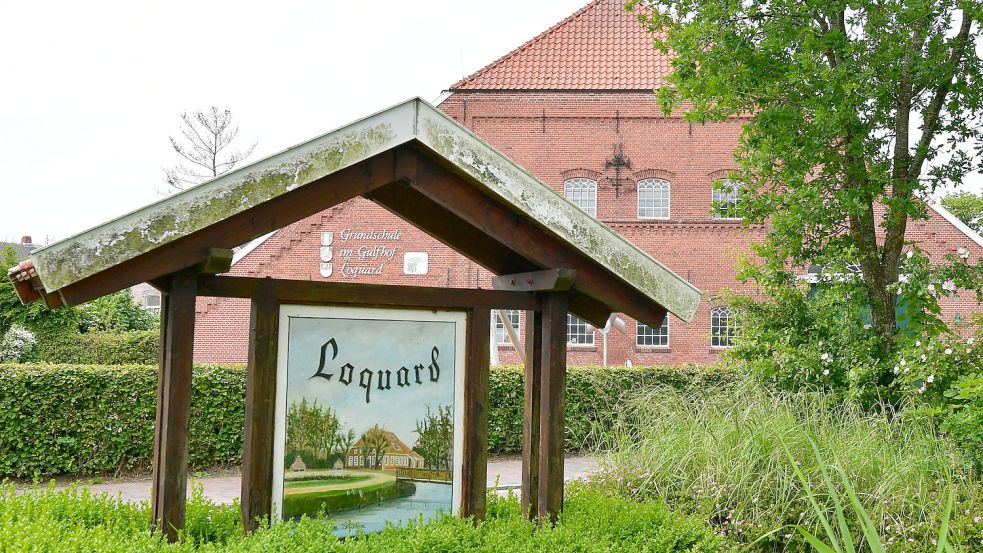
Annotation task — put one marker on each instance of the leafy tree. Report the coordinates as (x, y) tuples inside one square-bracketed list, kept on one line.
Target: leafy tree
[(968, 207), (116, 312), (44, 323), (374, 443), (435, 441), (344, 441), (208, 137), (855, 112)]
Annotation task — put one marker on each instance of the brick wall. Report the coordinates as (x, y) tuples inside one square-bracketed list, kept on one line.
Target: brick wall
[(557, 136)]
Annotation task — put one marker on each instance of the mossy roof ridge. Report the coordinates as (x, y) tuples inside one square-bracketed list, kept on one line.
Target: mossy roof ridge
[(69, 261)]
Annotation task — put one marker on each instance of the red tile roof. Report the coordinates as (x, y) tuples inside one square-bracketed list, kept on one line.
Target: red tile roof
[(600, 47)]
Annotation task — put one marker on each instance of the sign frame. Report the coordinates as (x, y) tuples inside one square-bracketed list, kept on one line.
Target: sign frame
[(458, 317)]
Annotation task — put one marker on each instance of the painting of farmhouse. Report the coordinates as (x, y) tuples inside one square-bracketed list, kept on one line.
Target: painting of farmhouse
[(369, 420)]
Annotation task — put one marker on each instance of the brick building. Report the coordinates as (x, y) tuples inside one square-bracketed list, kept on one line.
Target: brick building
[(575, 107)]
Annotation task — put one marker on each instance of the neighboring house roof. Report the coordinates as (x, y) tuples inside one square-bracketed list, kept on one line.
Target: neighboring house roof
[(21, 250), (600, 47), (957, 222), (394, 446), (163, 237)]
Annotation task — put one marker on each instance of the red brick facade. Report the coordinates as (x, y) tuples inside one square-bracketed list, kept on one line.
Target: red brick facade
[(557, 135)]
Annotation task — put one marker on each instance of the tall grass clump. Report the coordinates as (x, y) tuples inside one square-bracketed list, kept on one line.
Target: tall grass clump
[(732, 456)]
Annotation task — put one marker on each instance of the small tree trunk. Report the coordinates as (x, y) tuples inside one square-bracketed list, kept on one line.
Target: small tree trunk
[(882, 309)]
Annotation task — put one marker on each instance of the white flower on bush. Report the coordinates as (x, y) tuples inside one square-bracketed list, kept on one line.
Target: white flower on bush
[(949, 285), (924, 357), (826, 358), (910, 254), (825, 372), (948, 351), (931, 378), (963, 253), (971, 341), (16, 344), (897, 369), (931, 288)]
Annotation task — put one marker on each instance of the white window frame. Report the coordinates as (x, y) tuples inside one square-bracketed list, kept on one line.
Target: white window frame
[(501, 336), (661, 193), (729, 193), (152, 294), (722, 327), (577, 333), (659, 337), (583, 193)]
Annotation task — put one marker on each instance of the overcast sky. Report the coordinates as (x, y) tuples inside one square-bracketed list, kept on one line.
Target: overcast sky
[(90, 91)]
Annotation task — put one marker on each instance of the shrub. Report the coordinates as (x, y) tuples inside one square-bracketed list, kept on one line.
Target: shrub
[(116, 312), (723, 457), (17, 345), (75, 520), (87, 419), (106, 348), (591, 391)]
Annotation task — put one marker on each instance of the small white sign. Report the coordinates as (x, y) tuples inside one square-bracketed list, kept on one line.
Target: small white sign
[(416, 263), (327, 238)]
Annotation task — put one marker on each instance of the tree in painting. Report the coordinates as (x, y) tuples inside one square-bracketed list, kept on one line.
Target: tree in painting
[(312, 432), (435, 441), (374, 445)]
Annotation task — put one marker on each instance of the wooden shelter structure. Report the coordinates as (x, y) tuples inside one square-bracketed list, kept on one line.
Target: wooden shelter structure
[(427, 169)]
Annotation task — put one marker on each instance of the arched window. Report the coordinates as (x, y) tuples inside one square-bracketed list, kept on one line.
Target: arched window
[(583, 193), (726, 194), (501, 336), (653, 199), (579, 332), (722, 327), (648, 337)]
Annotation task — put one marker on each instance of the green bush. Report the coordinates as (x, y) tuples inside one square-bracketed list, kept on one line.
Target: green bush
[(88, 419), (137, 347), (591, 392), (75, 520)]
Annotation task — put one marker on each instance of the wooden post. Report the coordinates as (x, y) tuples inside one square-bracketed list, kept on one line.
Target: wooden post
[(475, 462), (169, 487), (257, 446), (552, 406), (529, 493)]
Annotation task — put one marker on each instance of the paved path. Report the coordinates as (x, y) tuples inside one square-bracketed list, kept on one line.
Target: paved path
[(507, 472)]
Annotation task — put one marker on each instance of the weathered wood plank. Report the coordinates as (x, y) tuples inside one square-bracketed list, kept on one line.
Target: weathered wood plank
[(219, 261), (277, 213), (552, 406), (536, 281), (301, 291), (257, 447), (475, 427), (174, 405), (532, 388), (532, 242)]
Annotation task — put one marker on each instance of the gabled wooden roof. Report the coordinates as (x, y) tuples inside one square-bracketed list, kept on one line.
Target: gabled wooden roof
[(413, 160)]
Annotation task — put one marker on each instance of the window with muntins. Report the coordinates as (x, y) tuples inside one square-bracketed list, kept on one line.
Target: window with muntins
[(722, 328), (725, 197), (501, 336), (653, 199), (578, 332), (583, 193), (648, 337)]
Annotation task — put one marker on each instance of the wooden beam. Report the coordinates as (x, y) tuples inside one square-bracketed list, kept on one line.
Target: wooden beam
[(277, 213), (536, 281), (308, 291), (219, 261), (532, 242), (552, 406), (475, 455), (170, 481), (257, 447), (416, 208), (532, 388)]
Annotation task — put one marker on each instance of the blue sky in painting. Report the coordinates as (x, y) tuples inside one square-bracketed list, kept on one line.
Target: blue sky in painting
[(376, 345)]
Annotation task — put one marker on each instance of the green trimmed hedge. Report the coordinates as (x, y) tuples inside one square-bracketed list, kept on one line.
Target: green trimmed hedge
[(137, 347), (88, 419), (85, 419)]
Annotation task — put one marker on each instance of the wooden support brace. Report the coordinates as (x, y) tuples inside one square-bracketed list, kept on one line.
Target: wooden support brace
[(169, 486), (257, 447), (536, 281), (219, 261), (475, 462), (529, 492), (552, 406)]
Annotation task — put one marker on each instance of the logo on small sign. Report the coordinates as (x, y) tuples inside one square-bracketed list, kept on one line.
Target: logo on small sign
[(416, 263)]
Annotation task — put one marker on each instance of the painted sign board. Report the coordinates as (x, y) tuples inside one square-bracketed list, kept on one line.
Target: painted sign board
[(369, 412)]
